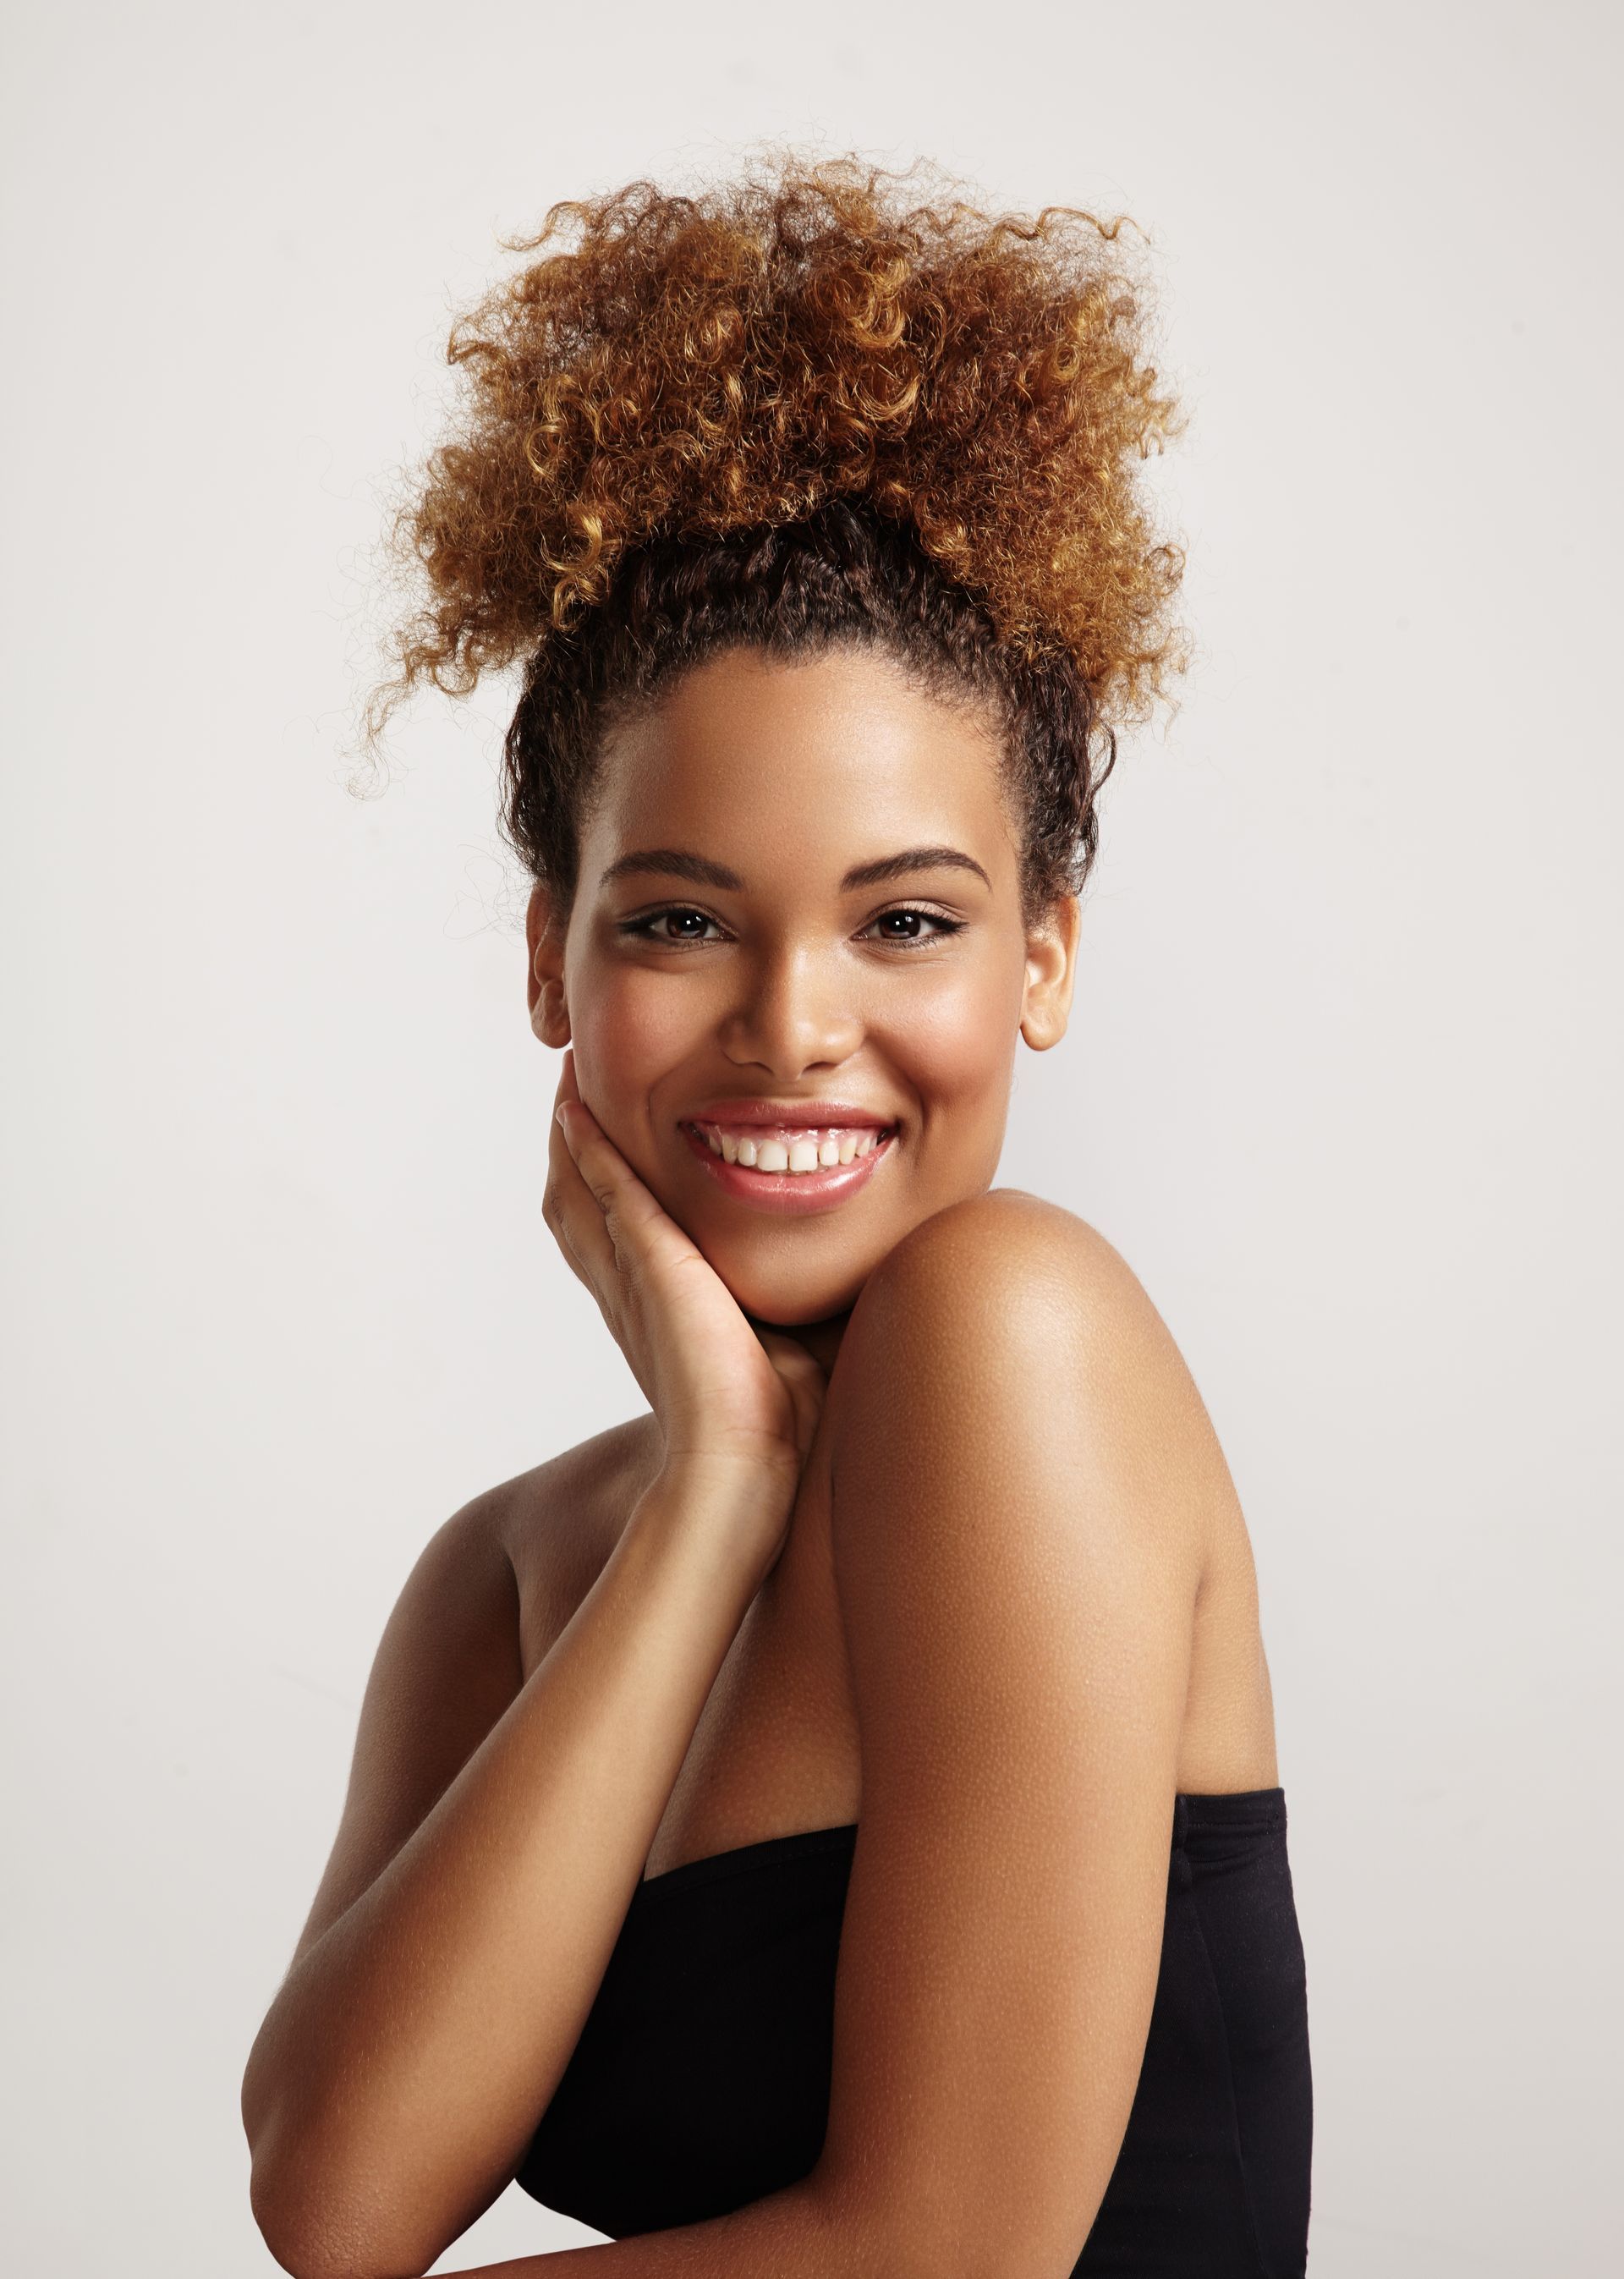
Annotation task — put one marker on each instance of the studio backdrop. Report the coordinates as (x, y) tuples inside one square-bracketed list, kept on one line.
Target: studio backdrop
[(1341, 1084)]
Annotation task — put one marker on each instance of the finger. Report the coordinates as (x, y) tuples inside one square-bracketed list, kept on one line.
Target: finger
[(573, 1215), (578, 1226), (572, 1251), (631, 1214), (605, 1215)]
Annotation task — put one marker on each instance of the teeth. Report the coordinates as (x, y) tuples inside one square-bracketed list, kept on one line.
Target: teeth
[(805, 1151)]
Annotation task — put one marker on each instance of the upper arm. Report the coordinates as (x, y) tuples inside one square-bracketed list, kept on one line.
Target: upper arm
[(1018, 1467), (447, 1667)]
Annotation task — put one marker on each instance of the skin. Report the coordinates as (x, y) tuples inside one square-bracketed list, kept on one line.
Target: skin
[(925, 1527)]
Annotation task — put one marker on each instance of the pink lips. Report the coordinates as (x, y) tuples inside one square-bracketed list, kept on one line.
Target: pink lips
[(790, 1192)]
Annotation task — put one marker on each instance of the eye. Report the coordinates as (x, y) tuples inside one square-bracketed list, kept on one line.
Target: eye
[(667, 927), (912, 920)]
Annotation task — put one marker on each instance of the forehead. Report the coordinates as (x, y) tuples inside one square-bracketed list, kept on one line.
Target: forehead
[(801, 766)]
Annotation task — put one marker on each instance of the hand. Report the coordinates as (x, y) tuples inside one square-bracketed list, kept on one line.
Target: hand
[(719, 1386)]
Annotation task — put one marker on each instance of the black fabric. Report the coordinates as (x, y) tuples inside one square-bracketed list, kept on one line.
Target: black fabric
[(701, 2079)]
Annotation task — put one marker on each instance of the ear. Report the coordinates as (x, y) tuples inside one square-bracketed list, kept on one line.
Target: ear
[(1050, 974), (544, 935)]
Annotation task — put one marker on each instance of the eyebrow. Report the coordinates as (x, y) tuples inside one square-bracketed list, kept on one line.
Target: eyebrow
[(677, 863)]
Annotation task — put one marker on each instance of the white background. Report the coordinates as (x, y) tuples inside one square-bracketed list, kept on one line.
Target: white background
[(1344, 1082)]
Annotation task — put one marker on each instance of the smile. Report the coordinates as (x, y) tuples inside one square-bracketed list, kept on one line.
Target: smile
[(786, 1168)]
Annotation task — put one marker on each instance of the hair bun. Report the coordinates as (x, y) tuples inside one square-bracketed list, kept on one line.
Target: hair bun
[(674, 366)]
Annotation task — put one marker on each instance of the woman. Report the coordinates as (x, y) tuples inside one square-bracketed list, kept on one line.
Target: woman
[(829, 1824)]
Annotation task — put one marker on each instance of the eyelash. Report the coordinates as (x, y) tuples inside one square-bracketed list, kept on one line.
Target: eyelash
[(641, 927)]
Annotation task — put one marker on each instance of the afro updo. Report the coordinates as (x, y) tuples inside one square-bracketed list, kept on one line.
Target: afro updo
[(794, 410)]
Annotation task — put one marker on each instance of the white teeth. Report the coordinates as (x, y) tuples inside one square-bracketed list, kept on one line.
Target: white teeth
[(808, 1151)]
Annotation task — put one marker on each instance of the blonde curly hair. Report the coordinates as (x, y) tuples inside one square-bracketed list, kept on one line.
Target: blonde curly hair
[(792, 409)]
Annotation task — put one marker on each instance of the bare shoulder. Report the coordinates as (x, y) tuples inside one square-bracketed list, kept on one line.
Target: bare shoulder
[(557, 1523), (1005, 1358), (1009, 1265), (1011, 1242), (1025, 1333)]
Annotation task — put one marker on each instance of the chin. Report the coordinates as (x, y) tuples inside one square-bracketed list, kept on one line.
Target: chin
[(779, 1297)]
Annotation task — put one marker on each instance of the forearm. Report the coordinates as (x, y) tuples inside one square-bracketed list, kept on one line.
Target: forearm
[(404, 2062), (794, 2234)]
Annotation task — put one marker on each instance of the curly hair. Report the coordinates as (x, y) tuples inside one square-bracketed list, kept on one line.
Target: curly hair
[(794, 410)]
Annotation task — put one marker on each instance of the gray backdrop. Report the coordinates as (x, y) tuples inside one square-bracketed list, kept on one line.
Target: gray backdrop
[(1343, 1085)]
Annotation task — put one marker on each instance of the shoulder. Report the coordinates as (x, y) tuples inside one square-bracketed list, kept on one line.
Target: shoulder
[(561, 1500), (511, 1563), (555, 1525), (1007, 1243), (1023, 1303), (1008, 1344)]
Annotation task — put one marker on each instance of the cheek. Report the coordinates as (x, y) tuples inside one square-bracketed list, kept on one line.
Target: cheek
[(628, 1029), (958, 1042)]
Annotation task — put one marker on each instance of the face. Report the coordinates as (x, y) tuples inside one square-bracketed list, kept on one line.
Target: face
[(797, 934)]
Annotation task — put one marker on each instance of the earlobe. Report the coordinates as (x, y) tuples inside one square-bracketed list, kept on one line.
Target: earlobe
[(549, 1015), (1051, 974)]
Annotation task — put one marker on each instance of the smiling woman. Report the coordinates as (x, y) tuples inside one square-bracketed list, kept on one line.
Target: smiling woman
[(828, 1825)]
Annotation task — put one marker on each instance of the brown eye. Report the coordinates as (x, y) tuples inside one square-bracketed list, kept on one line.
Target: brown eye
[(912, 923), (674, 925)]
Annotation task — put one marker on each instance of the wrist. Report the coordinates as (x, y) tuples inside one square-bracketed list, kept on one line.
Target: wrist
[(743, 1499), (727, 1478)]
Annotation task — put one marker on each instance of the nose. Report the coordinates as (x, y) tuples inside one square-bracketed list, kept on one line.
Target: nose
[(796, 1010)]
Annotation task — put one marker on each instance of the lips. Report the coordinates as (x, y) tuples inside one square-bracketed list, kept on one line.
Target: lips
[(789, 1193)]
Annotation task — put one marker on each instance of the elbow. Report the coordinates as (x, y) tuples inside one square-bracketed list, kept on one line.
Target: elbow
[(325, 2205), (316, 2231), (294, 2241), (287, 2231)]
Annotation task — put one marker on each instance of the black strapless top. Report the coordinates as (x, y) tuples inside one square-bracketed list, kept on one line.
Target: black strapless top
[(700, 2078)]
